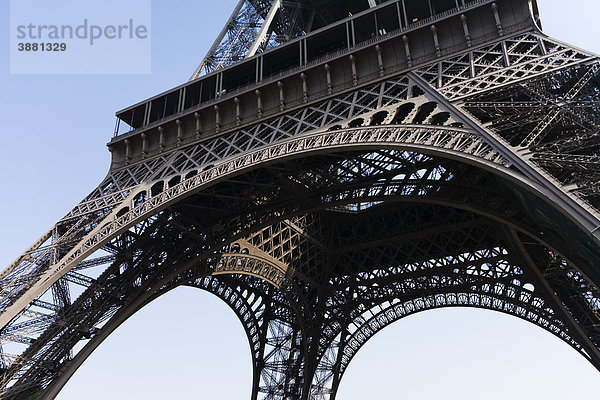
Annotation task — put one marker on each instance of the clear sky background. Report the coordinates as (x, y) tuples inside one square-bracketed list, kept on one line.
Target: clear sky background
[(188, 344)]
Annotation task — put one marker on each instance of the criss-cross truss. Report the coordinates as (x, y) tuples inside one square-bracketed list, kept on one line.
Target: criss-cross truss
[(466, 178), (257, 25)]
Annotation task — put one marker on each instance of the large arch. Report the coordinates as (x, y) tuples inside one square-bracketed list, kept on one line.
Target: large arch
[(383, 191), (468, 354), (188, 341), (453, 143), (341, 210)]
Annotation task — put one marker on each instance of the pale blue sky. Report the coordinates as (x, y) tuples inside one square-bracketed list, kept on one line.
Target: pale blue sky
[(189, 345)]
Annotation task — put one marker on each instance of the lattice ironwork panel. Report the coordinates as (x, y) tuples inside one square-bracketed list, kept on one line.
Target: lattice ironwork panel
[(459, 183)]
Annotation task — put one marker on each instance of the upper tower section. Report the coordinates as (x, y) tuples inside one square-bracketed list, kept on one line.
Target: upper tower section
[(256, 70), (258, 25)]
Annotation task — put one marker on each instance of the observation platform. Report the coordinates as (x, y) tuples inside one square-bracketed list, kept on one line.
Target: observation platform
[(363, 43)]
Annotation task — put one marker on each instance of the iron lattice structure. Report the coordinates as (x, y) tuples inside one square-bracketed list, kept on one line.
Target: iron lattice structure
[(409, 158), (257, 25)]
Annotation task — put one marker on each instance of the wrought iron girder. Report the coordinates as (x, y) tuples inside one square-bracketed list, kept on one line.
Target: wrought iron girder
[(356, 174), (252, 21), (473, 297), (470, 145), (337, 109), (505, 295), (276, 341), (579, 141), (252, 182), (131, 177), (568, 148), (80, 317), (502, 63), (134, 279), (572, 162), (552, 115), (122, 182), (263, 24), (149, 167), (252, 265), (397, 224), (475, 235), (551, 91), (290, 245), (453, 285), (579, 296), (352, 190), (79, 279)]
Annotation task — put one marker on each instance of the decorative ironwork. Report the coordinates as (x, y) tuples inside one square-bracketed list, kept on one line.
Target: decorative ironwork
[(390, 184)]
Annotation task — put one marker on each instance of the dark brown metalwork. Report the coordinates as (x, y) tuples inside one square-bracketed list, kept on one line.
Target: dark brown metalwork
[(420, 157)]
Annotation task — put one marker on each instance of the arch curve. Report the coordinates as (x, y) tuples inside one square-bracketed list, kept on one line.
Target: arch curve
[(411, 183), (494, 279), (243, 303)]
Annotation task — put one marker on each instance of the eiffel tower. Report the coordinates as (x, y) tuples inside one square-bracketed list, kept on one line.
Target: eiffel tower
[(330, 168)]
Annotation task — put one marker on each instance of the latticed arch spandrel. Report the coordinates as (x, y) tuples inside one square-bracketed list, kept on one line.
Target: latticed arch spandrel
[(302, 200), (300, 203), (497, 279), (374, 184)]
